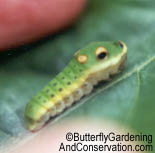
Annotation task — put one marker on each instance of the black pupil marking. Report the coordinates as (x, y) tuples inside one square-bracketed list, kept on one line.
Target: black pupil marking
[(102, 55), (60, 89), (121, 44)]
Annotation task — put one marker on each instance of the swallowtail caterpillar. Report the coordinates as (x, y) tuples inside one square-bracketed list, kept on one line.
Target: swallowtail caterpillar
[(91, 64)]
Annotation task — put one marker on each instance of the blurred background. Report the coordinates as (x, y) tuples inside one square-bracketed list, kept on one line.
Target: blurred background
[(44, 47)]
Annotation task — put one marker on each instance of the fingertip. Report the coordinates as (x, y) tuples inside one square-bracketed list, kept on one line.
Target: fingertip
[(24, 21)]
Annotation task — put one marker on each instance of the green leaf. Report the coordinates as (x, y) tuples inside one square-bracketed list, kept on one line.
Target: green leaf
[(129, 98)]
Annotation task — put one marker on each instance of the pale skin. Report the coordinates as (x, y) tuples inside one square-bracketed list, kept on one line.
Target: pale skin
[(91, 64), (49, 138), (24, 21)]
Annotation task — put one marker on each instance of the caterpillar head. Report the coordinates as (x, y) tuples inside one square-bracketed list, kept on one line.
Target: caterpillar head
[(99, 56)]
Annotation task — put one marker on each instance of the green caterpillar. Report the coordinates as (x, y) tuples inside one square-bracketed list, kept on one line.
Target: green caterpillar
[(93, 63)]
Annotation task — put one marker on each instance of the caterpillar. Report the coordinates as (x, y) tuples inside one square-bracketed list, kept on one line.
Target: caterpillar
[(89, 65)]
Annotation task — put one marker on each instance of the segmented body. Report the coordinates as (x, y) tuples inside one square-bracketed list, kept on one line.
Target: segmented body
[(75, 81)]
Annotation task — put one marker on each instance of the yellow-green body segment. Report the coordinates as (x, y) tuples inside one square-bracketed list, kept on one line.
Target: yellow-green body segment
[(91, 64)]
